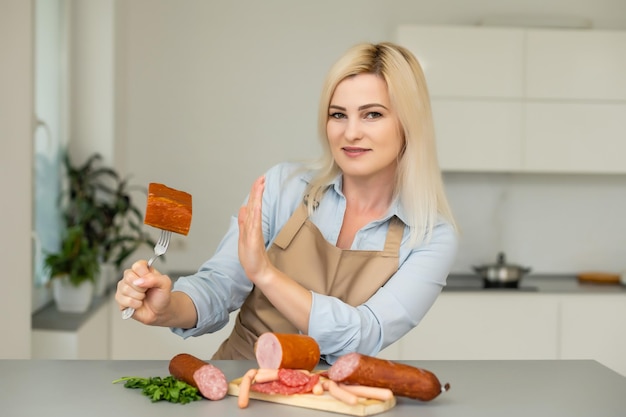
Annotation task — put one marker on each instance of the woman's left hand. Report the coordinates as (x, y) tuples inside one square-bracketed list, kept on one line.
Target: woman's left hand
[(252, 253)]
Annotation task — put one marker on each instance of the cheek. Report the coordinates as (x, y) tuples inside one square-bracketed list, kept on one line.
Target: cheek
[(332, 131)]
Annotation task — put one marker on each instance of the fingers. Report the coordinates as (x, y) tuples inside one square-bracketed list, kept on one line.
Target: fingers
[(250, 214), (252, 254), (136, 281)]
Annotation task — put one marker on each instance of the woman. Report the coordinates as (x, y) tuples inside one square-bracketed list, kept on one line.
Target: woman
[(353, 251)]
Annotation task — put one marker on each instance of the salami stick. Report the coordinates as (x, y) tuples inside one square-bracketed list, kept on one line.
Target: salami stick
[(208, 379), (290, 351), (403, 380)]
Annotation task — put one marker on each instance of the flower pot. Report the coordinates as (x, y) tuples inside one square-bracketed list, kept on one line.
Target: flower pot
[(112, 273), (105, 278), (70, 298)]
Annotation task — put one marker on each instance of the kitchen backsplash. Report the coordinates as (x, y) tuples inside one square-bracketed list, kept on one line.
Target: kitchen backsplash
[(551, 223)]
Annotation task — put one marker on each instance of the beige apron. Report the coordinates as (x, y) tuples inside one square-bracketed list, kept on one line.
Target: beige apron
[(301, 252)]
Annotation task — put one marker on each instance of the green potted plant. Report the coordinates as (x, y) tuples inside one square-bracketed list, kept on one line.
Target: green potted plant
[(101, 201), (73, 271), (98, 203)]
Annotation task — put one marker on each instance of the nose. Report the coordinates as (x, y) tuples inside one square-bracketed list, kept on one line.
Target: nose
[(354, 129)]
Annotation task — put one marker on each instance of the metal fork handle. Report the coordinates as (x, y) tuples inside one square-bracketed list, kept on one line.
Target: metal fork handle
[(159, 249), (129, 311)]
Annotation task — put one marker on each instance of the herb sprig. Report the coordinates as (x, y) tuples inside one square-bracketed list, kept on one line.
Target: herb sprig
[(162, 389)]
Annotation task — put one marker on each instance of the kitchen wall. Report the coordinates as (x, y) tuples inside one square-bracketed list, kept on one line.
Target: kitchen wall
[(209, 96), (16, 104)]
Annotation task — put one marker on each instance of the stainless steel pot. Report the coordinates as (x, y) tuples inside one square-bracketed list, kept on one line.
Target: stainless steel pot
[(501, 274)]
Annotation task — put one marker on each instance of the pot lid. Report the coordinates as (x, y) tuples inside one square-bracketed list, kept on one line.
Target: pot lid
[(501, 263)]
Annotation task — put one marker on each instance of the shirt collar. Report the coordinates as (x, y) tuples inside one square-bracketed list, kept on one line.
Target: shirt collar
[(395, 209)]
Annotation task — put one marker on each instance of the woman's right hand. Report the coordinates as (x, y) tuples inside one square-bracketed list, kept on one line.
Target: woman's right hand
[(147, 291)]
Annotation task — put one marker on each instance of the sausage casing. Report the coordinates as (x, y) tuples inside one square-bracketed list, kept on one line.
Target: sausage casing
[(284, 350), (403, 380), (208, 379)]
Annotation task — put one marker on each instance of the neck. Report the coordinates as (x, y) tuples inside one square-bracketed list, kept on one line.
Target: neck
[(367, 196)]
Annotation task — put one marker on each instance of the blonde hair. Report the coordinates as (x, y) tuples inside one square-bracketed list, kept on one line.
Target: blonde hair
[(418, 183)]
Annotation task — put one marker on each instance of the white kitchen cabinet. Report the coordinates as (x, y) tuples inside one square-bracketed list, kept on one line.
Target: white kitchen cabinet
[(576, 64), (133, 340), (594, 327), (525, 99), (475, 325), (575, 137), (89, 341), (475, 135), (466, 61)]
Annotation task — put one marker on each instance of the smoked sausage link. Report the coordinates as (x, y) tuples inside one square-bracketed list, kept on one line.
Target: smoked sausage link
[(285, 350), (403, 380), (208, 379)]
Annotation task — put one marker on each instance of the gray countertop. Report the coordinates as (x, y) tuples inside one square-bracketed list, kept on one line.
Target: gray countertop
[(478, 388), (554, 284), (49, 318)]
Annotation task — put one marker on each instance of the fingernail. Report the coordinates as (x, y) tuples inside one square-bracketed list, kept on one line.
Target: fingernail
[(138, 281)]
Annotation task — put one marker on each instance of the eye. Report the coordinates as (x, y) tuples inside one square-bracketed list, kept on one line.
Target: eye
[(373, 115), (337, 115)]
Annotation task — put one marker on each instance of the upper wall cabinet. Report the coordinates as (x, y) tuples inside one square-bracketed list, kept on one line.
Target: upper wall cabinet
[(468, 61), (486, 134), (576, 64), (525, 100)]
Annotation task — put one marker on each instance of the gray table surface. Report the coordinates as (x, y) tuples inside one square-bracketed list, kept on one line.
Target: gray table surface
[(478, 388)]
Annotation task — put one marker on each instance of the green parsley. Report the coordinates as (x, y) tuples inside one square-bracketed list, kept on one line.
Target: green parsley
[(162, 389)]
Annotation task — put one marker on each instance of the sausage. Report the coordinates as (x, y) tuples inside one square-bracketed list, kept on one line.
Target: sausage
[(208, 379), (363, 391), (244, 388), (340, 394), (289, 351), (403, 380), (318, 388), (266, 375)]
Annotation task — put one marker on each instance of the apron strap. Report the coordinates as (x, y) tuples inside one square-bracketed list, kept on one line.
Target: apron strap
[(292, 227), (394, 238)]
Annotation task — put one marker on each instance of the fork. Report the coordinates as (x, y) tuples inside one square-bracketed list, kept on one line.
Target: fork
[(159, 249)]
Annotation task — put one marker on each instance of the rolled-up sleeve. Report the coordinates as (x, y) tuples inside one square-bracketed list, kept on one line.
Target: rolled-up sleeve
[(219, 287), (394, 309)]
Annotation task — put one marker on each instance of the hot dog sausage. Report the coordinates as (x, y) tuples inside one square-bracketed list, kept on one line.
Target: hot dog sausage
[(290, 351), (208, 379), (376, 393), (244, 388), (403, 380)]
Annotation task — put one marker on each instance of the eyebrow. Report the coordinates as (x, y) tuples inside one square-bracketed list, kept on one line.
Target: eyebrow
[(363, 107)]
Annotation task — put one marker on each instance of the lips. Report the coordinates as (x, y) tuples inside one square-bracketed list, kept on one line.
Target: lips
[(352, 151)]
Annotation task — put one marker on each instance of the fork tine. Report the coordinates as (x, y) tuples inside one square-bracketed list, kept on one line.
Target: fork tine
[(166, 239), (163, 237)]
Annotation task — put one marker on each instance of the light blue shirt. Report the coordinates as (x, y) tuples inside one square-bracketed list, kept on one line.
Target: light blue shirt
[(220, 286)]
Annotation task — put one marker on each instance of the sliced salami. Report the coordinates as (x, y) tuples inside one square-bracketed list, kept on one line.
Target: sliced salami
[(278, 387), (293, 377)]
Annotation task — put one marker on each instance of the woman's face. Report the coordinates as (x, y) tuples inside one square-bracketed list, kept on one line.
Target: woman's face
[(363, 129)]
